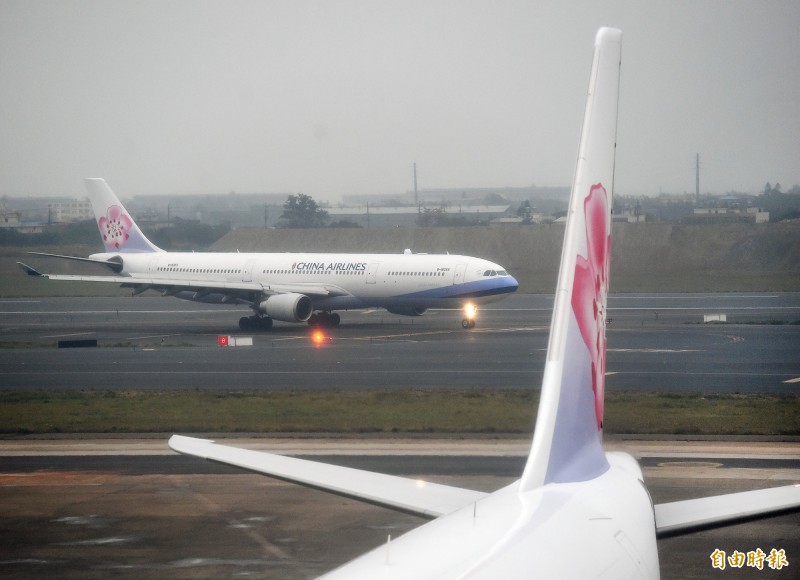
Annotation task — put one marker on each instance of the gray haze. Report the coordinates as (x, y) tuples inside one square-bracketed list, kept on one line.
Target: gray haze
[(336, 97)]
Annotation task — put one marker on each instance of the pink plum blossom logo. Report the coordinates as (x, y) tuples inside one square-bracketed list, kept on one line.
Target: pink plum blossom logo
[(590, 289), (114, 227)]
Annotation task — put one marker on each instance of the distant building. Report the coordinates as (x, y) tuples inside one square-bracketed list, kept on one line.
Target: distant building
[(10, 219), (727, 214), (760, 216), (409, 215), (70, 211), (508, 220), (629, 216), (515, 220)]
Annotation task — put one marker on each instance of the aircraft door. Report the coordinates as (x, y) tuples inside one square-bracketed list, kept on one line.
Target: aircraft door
[(372, 272), (247, 272), (458, 278)]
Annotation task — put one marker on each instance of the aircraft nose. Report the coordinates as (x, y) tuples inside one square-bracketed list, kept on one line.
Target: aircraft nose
[(512, 284)]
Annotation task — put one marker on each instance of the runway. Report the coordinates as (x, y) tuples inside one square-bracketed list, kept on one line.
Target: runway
[(132, 509), (655, 342)]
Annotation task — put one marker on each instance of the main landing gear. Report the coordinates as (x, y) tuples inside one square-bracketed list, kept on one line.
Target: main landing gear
[(255, 323), (468, 323), (325, 319)]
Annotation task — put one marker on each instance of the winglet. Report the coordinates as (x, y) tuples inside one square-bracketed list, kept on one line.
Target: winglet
[(567, 442), (117, 229)]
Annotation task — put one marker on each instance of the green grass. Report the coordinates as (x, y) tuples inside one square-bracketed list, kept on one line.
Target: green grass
[(379, 412), (695, 414)]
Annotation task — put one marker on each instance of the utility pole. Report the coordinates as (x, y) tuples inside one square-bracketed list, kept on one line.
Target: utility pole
[(416, 196), (697, 178)]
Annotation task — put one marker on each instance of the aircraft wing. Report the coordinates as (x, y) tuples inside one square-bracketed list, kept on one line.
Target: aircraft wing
[(417, 497), (682, 517), (174, 285)]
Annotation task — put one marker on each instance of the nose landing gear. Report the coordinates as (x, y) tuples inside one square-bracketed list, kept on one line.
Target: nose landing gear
[(470, 313)]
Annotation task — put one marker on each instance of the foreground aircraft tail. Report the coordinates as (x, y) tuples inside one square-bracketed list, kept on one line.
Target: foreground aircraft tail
[(567, 442), (117, 229)]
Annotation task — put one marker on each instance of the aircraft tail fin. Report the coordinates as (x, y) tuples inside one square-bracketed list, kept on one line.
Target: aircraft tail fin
[(567, 442), (117, 229)]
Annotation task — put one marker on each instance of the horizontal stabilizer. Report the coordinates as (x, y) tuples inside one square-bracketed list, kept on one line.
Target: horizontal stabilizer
[(115, 265), (29, 270), (682, 517), (417, 497)]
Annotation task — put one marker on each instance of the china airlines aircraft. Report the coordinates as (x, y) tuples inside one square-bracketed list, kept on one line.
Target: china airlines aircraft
[(287, 287), (577, 511)]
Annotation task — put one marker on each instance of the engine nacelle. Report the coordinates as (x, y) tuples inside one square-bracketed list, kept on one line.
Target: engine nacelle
[(289, 307), (407, 310)]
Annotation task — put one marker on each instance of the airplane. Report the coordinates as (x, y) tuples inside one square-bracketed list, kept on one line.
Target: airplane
[(290, 287), (577, 511)]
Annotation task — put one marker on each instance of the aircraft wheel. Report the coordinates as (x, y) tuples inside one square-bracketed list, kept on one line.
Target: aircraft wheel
[(334, 320), (244, 323), (265, 323), (466, 323), (314, 320)]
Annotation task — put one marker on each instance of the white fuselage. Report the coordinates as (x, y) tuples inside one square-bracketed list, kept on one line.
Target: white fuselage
[(354, 280), (602, 528)]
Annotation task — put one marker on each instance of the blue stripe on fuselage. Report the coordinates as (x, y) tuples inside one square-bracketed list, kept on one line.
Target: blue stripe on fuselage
[(477, 289)]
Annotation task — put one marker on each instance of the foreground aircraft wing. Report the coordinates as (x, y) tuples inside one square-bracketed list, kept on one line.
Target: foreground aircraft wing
[(174, 285), (691, 515), (417, 497)]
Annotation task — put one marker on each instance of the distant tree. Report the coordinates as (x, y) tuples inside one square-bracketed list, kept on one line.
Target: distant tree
[(525, 211), (187, 235), (495, 199), (429, 217), (301, 211), (781, 206)]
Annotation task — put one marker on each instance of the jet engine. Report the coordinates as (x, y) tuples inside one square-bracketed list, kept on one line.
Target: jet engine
[(407, 310), (289, 307)]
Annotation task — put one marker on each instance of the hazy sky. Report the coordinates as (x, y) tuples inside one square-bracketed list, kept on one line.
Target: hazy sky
[(336, 97)]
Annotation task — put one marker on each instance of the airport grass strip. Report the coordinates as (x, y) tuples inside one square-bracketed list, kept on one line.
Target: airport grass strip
[(377, 411)]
